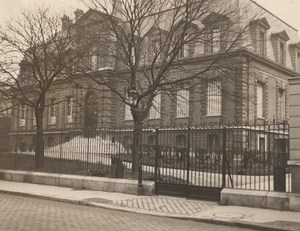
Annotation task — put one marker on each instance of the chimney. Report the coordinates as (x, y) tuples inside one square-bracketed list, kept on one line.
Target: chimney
[(78, 13), (65, 22), (117, 8)]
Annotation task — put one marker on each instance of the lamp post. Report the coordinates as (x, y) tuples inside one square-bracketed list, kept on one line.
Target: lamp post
[(132, 99)]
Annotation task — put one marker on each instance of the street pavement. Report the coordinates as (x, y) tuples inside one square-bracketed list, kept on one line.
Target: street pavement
[(20, 213), (163, 208)]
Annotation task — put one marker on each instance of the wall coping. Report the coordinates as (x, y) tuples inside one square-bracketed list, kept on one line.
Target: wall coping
[(75, 181), (261, 199), (293, 162)]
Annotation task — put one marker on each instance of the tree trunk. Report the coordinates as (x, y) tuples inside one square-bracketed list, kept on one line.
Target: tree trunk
[(137, 146), (39, 146)]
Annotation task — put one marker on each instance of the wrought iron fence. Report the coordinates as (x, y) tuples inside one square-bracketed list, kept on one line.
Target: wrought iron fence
[(239, 156)]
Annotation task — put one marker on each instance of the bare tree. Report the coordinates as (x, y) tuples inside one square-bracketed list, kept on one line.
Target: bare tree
[(34, 50), (151, 40)]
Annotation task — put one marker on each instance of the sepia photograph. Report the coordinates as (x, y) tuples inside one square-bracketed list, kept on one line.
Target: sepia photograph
[(147, 115)]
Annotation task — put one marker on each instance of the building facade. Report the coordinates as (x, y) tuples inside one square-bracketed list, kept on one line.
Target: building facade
[(254, 89)]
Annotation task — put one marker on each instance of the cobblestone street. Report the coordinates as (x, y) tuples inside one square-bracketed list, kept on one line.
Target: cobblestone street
[(23, 213)]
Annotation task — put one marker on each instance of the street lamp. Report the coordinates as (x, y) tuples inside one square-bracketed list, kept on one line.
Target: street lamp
[(132, 99), (132, 96)]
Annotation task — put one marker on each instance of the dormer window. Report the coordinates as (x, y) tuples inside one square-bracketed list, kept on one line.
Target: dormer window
[(295, 55), (262, 43), (279, 44), (259, 30), (182, 42), (94, 59), (155, 49), (184, 51), (155, 44), (216, 40), (282, 53), (215, 36)]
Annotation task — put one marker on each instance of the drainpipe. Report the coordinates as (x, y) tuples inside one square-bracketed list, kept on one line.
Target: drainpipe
[(248, 89)]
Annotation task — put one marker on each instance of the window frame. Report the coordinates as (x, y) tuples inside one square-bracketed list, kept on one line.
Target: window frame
[(52, 112), (281, 104), (214, 94), (155, 109), (260, 101), (69, 109), (22, 115), (182, 105)]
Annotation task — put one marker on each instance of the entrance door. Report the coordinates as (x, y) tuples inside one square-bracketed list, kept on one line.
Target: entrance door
[(91, 111)]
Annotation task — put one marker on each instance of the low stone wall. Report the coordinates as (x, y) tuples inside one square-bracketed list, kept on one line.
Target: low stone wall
[(79, 182), (261, 199)]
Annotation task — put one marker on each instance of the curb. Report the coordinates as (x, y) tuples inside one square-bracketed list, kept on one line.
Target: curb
[(145, 212)]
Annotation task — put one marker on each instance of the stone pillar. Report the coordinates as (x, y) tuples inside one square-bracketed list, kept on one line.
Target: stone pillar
[(294, 111)]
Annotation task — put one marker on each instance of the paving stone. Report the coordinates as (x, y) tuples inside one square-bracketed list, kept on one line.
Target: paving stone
[(166, 205)]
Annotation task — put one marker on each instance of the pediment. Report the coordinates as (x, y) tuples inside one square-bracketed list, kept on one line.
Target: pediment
[(182, 23), (262, 22), (283, 35), (295, 45), (214, 18)]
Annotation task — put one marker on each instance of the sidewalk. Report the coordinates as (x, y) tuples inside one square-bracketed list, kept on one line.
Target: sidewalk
[(162, 206)]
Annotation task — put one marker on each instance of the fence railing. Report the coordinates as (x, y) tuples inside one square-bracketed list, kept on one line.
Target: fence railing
[(239, 156)]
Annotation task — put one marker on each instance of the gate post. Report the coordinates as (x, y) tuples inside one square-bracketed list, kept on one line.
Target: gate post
[(280, 164), (294, 159), (188, 160), (156, 157), (224, 158)]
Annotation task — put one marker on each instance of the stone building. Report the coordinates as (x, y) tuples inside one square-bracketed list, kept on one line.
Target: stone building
[(256, 89)]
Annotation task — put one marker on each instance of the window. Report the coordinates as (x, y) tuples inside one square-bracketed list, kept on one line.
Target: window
[(261, 43), (298, 62), (214, 98), (22, 115), (259, 28), (281, 105), (52, 111), (184, 50), (262, 143), (279, 41), (128, 115), (282, 54), (182, 103), (216, 41), (260, 100), (94, 59), (156, 49), (155, 110), (33, 117), (69, 110)]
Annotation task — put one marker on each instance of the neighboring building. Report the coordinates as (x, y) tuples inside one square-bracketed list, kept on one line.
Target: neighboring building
[(5, 125), (257, 89)]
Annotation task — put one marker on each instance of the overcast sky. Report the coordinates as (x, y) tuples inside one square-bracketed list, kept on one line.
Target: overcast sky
[(287, 10)]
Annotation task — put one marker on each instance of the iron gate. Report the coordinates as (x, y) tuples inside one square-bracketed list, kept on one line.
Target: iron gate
[(198, 162)]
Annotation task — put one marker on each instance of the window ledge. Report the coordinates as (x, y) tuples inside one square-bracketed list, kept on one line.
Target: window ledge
[(182, 117), (214, 115), (154, 119)]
